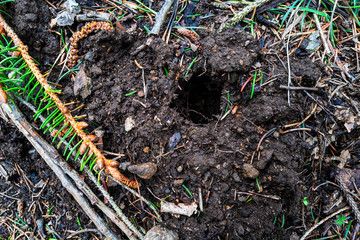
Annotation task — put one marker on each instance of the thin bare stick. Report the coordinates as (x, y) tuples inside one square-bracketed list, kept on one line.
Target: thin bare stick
[(82, 231), (260, 195), (322, 221), (298, 88), (331, 20), (323, 39), (160, 17), (141, 197), (50, 155), (239, 16), (340, 180), (289, 69), (89, 193), (113, 204)]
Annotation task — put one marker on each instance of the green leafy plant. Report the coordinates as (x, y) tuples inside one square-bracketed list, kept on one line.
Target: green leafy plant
[(305, 201), (341, 220)]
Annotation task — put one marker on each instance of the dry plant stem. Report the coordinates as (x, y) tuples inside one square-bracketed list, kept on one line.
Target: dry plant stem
[(239, 16), (331, 20), (323, 39), (50, 155), (299, 88), (307, 117), (141, 197), (81, 231), (3, 96), (160, 17), (113, 204), (289, 69), (80, 183), (101, 160), (355, 231), (349, 198), (89, 193), (322, 221)]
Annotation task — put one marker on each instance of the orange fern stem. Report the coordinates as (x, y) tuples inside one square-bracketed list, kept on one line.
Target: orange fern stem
[(102, 162), (3, 96), (190, 34), (84, 32)]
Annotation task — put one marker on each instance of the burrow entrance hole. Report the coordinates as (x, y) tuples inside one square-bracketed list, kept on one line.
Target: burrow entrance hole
[(198, 99)]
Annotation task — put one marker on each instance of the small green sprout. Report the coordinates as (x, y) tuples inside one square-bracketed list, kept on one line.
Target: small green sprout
[(194, 15), (340, 221), (305, 201), (48, 213), (78, 221), (146, 29), (228, 102), (258, 185), (166, 71), (275, 220), (253, 85), (130, 93), (283, 221), (190, 66), (188, 191)]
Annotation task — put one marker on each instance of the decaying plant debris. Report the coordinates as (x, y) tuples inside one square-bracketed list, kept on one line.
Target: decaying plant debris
[(247, 117)]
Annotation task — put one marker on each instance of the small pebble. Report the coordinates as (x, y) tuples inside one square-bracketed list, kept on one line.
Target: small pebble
[(249, 171), (129, 124), (245, 213), (276, 134), (161, 233), (173, 141), (143, 170), (178, 182), (124, 165), (180, 168), (146, 149), (236, 177), (140, 93), (82, 84), (240, 230)]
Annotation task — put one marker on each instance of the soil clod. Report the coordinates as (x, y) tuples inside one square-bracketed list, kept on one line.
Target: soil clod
[(143, 170)]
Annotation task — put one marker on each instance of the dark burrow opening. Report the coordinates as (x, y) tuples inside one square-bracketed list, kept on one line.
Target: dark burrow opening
[(198, 99)]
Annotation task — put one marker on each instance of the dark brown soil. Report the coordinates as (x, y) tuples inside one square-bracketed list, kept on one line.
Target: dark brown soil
[(211, 153)]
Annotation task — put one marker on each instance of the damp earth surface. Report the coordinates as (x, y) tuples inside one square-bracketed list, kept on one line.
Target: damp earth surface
[(221, 157)]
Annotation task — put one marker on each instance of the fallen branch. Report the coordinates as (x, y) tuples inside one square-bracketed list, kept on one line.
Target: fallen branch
[(239, 16), (160, 17), (124, 224), (50, 155), (322, 221), (340, 180), (298, 88)]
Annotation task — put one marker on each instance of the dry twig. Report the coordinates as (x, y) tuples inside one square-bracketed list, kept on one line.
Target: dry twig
[(160, 17), (321, 222), (239, 16)]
